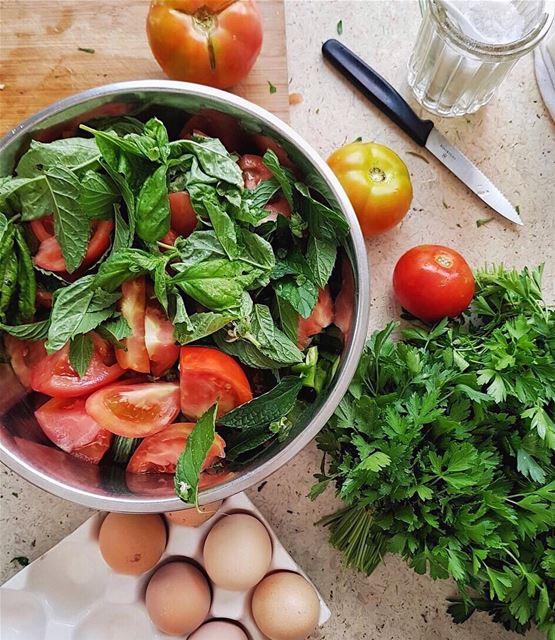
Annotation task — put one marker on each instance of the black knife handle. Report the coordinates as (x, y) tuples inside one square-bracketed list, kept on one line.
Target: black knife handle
[(377, 90)]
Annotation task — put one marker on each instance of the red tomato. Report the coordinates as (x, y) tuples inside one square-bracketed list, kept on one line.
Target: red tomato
[(276, 208), (345, 301), (159, 340), (159, 453), (69, 427), (132, 307), (208, 376), (263, 143), (50, 257), (431, 282), (183, 216), (169, 238), (321, 317), (44, 299), (24, 355), (215, 124), (254, 170), (54, 376), (213, 42), (135, 410)]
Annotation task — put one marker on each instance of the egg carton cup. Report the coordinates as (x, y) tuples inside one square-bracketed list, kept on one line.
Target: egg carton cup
[(70, 593)]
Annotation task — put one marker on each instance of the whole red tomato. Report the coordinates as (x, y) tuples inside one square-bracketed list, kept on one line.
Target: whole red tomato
[(377, 182), (213, 42), (431, 282)]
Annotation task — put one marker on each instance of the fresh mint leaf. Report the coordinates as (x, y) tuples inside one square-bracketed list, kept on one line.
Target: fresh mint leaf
[(75, 154), (26, 279), (80, 353), (98, 196), (266, 408), (214, 159), (33, 331), (300, 292), (283, 176), (321, 256), (206, 203), (289, 319), (122, 235), (323, 223), (199, 247), (117, 327), (263, 193), (201, 325), (30, 196), (124, 265), (152, 214), (190, 462)]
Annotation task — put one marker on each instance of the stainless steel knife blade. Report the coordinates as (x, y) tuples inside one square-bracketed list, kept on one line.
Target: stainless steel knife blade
[(470, 175)]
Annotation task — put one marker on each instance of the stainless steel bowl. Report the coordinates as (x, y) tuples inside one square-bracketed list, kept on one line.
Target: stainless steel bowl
[(24, 449)]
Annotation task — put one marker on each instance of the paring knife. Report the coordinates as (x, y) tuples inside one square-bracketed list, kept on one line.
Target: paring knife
[(386, 98)]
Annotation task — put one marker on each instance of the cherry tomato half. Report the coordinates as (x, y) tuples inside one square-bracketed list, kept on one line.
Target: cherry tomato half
[(321, 317), (431, 282), (135, 410), (132, 307), (377, 183), (208, 376), (54, 376), (159, 453), (213, 42), (159, 341), (66, 423)]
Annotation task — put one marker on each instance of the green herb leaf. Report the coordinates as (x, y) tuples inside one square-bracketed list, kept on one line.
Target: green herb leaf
[(482, 221), (282, 175), (80, 353), (321, 256), (300, 292), (74, 154), (201, 325), (33, 331), (85, 49), (271, 87), (123, 265), (26, 279), (152, 214), (189, 465), (98, 196), (214, 159)]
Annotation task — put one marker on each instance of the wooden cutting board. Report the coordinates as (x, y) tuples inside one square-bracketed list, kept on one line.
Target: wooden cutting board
[(40, 60)]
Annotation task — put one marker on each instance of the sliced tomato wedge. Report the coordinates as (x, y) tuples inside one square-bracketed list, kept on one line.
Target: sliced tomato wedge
[(320, 318), (279, 207), (50, 257), (66, 423), (183, 216), (132, 307), (44, 299), (135, 410), (208, 376), (160, 343), (254, 170), (263, 143), (54, 376), (345, 301), (216, 125), (159, 453), (24, 356)]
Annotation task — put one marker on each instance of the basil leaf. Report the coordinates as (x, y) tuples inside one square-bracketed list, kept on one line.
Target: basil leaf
[(321, 256), (153, 207), (300, 292), (76, 154), (263, 193), (120, 125), (255, 250), (30, 196), (127, 195), (98, 195), (180, 316), (8, 282), (213, 157), (205, 203), (216, 284), (144, 145), (189, 465), (199, 247), (71, 227), (323, 223), (124, 265), (26, 279), (80, 353), (76, 309), (266, 408), (122, 236), (161, 284), (118, 327), (33, 331), (200, 325), (283, 176)]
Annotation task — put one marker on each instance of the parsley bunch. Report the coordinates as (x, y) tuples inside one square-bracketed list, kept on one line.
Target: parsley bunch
[(442, 451)]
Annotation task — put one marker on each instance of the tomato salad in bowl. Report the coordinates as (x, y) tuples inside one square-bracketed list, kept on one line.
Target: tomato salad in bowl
[(176, 305)]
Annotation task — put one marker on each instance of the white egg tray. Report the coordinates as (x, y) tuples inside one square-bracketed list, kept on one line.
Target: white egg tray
[(70, 593)]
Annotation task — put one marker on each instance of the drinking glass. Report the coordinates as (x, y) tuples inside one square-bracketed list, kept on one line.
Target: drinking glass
[(465, 48)]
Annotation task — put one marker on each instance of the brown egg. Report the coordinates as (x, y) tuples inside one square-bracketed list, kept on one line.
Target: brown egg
[(192, 517), (178, 598), (219, 630), (285, 606), (237, 552), (132, 543)]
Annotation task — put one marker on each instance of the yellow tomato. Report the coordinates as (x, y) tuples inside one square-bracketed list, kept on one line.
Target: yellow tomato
[(377, 182)]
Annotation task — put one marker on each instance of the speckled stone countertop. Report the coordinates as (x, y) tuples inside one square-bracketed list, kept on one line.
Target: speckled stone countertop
[(513, 141)]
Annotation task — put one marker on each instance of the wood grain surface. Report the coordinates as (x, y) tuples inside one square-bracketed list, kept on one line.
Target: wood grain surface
[(40, 59)]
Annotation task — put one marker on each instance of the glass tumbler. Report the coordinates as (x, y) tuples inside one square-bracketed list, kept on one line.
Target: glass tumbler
[(465, 48)]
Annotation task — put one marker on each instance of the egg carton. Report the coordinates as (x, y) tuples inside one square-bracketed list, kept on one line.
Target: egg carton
[(70, 593)]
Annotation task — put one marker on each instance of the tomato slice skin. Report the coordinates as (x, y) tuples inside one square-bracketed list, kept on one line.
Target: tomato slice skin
[(54, 376), (24, 356), (254, 170), (345, 300), (215, 124), (183, 217), (263, 143), (159, 341), (159, 453), (135, 410), (132, 306), (207, 376), (320, 318), (49, 255), (279, 207), (66, 423)]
